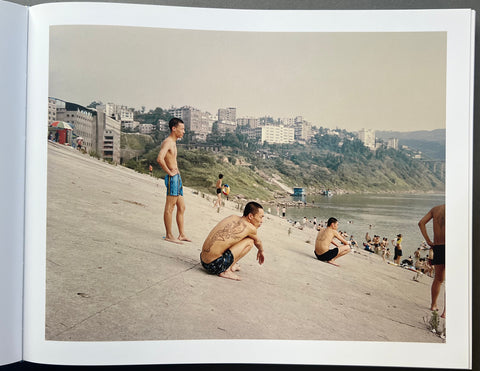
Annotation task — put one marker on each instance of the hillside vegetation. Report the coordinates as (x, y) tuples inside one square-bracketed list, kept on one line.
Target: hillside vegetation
[(329, 162), (431, 143)]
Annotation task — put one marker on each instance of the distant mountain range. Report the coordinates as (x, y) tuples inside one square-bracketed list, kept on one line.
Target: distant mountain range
[(430, 143)]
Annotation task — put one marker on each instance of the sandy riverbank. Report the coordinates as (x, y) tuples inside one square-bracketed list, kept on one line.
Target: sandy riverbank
[(111, 276)]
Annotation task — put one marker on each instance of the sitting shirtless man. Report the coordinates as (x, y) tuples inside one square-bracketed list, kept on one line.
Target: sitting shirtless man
[(230, 240), (326, 237)]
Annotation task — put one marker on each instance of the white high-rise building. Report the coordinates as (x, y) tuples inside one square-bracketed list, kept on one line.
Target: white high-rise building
[(275, 134), (367, 136), (392, 143)]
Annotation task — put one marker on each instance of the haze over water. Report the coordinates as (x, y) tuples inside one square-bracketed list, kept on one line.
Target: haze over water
[(389, 215)]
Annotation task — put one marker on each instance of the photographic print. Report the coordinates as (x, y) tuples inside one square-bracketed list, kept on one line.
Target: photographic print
[(309, 125)]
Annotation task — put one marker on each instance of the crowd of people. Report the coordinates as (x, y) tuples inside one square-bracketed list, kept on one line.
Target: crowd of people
[(233, 237)]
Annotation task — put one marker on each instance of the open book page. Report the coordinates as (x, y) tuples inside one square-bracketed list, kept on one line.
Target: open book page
[(97, 293), (13, 49)]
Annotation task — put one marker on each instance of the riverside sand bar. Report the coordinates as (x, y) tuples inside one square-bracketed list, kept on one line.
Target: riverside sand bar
[(111, 276)]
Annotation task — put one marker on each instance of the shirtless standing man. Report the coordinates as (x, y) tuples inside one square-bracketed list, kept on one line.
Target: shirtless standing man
[(438, 247), (230, 240), (326, 237), (167, 159), (218, 186)]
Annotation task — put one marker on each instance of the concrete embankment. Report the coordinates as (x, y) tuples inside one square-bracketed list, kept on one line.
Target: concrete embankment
[(111, 276)]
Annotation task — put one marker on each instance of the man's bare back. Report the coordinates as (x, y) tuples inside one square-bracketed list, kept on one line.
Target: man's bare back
[(225, 234), (327, 236), (324, 239), (230, 240), (438, 215)]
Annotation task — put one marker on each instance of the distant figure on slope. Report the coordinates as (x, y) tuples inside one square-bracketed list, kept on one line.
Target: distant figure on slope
[(408, 262), (167, 159), (376, 244), (368, 244), (416, 254), (397, 243), (230, 240), (79, 143), (326, 237), (353, 243), (438, 246), (218, 186)]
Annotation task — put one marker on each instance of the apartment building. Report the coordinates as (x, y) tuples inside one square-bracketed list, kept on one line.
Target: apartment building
[(100, 132), (248, 121), (108, 136), (275, 134), (120, 113), (163, 125), (367, 136), (146, 128), (82, 120), (52, 110), (227, 114), (303, 131), (392, 143), (195, 121)]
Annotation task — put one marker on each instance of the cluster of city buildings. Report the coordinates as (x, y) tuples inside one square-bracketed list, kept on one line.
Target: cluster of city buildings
[(282, 131), (98, 127), (101, 127), (368, 138)]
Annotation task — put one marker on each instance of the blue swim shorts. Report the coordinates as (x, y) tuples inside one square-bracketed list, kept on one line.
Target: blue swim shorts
[(174, 185), (219, 265)]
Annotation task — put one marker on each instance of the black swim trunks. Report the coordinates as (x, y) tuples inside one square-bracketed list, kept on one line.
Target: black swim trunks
[(219, 190), (327, 256), (438, 255), (398, 253), (219, 265)]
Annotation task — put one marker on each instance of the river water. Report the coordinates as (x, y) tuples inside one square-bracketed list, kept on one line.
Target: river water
[(385, 215)]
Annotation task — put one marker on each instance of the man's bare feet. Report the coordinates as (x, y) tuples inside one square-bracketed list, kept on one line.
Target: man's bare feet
[(183, 238), (230, 275), (174, 240), (333, 263), (434, 308)]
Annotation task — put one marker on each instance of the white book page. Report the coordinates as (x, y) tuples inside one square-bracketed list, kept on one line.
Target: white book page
[(13, 49), (455, 352)]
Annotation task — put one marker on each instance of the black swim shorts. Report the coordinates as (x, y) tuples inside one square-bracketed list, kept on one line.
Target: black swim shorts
[(438, 255), (327, 256), (219, 265), (219, 190), (398, 252)]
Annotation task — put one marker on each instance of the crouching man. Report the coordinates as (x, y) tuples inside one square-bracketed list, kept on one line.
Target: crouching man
[(232, 239), (329, 236)]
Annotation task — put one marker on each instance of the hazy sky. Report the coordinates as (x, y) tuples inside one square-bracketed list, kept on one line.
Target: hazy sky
[(382, 81)]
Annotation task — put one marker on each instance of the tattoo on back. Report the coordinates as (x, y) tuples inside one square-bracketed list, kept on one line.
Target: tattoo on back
[(228, 231)]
